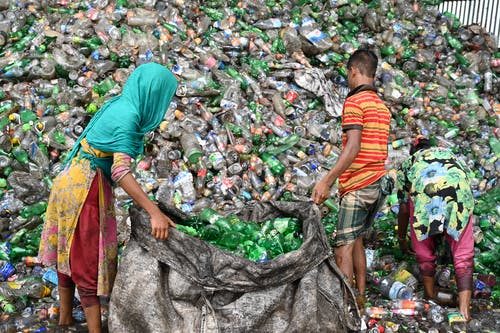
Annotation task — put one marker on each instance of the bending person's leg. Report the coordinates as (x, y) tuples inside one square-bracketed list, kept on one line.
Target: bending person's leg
[(463, 262), (426, 259)]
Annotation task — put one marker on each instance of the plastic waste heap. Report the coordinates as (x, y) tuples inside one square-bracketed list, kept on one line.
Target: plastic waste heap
[(256, 116)]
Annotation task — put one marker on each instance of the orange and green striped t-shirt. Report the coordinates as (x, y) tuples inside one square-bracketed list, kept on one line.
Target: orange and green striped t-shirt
[(364, 110)]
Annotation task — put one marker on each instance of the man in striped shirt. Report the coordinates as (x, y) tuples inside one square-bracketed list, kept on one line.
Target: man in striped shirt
[(360, 167)]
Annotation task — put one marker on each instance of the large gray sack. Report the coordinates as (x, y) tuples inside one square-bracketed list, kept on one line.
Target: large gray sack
[(184, 284)]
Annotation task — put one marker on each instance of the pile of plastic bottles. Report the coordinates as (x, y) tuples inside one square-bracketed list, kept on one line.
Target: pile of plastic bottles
[(396, 302), (257, 112)]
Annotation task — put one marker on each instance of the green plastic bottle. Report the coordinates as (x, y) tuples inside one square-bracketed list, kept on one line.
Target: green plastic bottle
[(230, 239), (6, 306), (21, 155), (454, 42), (272, 242), (104, 86), (494, 145), (210, 232), (258, 254), (292, 242), (35, 209), (275, 164), (488, 257), (17, 252), (188, 230), (209, 215), (286, 225), (18, 236)]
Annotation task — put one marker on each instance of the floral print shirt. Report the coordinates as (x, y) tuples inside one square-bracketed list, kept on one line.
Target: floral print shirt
[(437, 183)]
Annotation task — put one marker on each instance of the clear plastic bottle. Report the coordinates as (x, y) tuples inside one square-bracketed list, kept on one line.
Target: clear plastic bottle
[(436, 314), (107, 31), (191, 147), (183, 182), (393, 289), (217, 160), (201, 176), (401, 274), (165, 191), (474, 326), (312, 32), (30, 287), (377, 312), (142, 17), (488, 81), (446, 297), (443, 277), (408, 304), (271, 23)]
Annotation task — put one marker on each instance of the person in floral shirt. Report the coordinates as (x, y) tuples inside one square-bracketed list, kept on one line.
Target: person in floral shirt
[(435, 198)]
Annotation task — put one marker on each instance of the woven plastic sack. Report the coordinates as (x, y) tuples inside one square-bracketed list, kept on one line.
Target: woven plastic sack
[(187, 285)]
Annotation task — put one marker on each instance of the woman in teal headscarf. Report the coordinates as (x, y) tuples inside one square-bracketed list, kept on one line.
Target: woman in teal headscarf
[(80, 234)]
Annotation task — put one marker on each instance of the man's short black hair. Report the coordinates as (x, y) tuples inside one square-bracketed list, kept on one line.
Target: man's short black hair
[(365, 60)]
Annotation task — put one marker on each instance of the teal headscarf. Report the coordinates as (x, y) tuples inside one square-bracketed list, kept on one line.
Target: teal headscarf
[(122, 122)]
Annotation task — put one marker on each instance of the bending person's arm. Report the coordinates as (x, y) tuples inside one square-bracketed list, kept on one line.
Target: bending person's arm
[(403, 221)]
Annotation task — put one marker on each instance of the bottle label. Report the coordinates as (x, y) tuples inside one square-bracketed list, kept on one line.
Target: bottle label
[(14, 285), (210, 62), (216, 158), (376, 312), (406, 304), (7, 270), (179, 179), (479, 285), (395, 288), (405, 312), (50, 276), (316, 36), (275, 22), (187, 208), (402, 276), (455, 317), (44, 292)]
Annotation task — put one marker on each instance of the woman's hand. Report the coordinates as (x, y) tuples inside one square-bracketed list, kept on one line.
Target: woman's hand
[(159, 221), (160, 224)]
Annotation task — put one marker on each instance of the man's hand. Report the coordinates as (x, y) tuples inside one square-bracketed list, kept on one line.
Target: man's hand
[(320, 192)]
